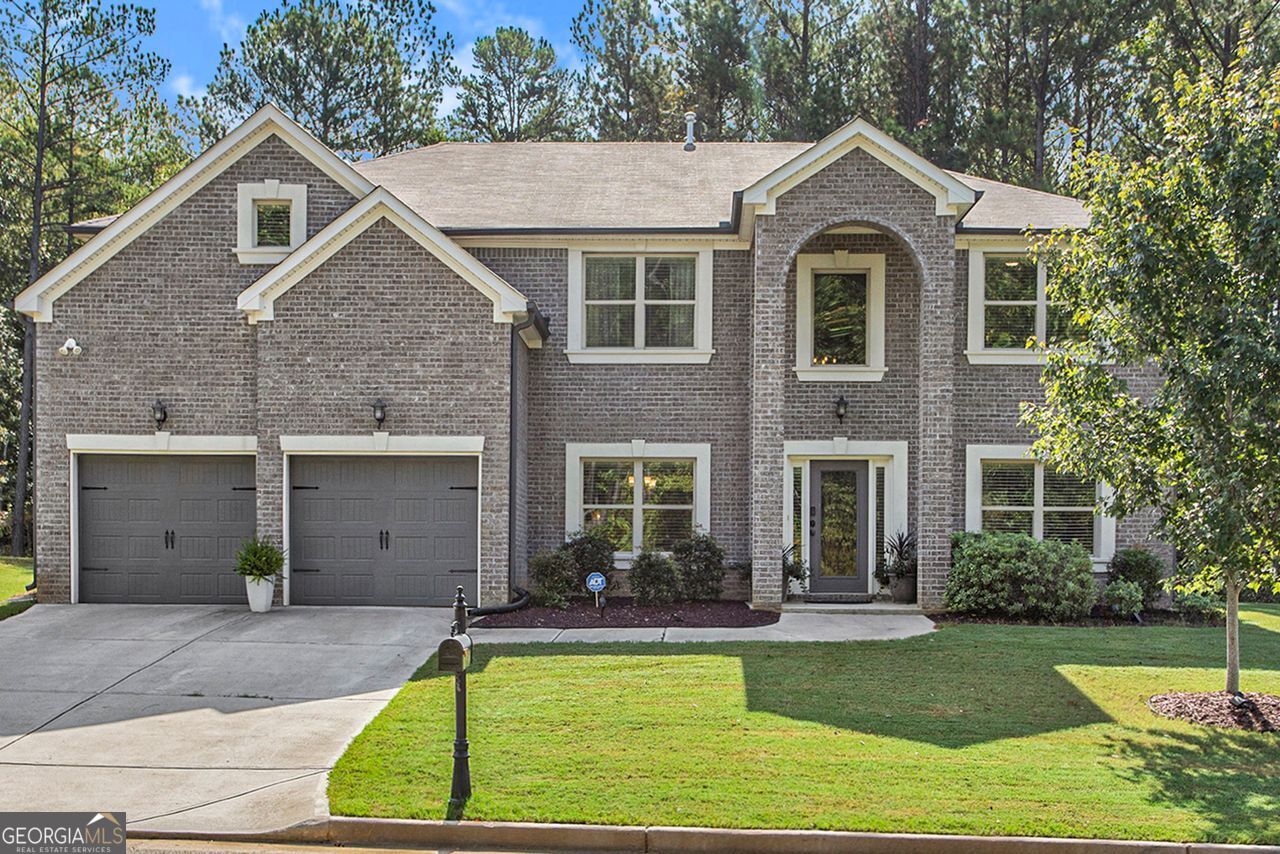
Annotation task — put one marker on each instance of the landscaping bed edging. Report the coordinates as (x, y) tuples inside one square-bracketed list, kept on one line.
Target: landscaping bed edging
[(497, 835)]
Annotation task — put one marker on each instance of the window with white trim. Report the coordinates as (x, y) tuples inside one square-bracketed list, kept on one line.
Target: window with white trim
[(641, 495), (647, 306), (1009, 307), (271, 221), (1011, 493), (840, 317)]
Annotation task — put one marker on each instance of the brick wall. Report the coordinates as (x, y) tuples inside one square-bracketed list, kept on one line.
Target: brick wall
[(857, 190), (158, 320)]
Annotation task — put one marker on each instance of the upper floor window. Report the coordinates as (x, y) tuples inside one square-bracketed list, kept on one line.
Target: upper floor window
[(639, 307), (1008, 492), (1008, 307), (840, 317), (272, 221)]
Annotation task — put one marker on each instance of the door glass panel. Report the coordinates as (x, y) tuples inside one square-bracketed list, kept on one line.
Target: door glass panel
[(839, 553)]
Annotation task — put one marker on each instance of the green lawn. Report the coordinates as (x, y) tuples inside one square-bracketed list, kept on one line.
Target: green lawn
[(972, 729), (15, 575)]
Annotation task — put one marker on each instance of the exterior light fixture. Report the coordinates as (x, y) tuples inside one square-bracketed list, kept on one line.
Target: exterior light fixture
[(159, 413), (379, 411), (70, 348), (842, 408)]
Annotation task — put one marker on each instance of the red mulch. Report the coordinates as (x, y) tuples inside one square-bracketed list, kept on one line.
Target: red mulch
[(622, 613), (1214, 708)]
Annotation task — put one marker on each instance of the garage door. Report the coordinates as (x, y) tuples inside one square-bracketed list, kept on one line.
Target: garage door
[(164, 529), (382, 530)]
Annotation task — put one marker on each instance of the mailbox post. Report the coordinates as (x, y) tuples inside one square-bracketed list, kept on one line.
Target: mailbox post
[(454, 656)]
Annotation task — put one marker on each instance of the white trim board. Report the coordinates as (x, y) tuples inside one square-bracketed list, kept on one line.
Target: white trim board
[(37, 300), (840, 261), (637, 449), (382, 443), (975, 455), (258, 300), (952, 196)]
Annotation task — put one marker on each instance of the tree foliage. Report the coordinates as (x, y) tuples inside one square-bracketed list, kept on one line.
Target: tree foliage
[(626, 80), (517, 92), (364, 76), (1181, 269)]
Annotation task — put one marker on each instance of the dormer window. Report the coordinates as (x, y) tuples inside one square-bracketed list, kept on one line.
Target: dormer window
[(272, 219)]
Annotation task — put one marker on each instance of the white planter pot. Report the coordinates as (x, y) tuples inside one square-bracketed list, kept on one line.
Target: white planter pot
[(260, 592)]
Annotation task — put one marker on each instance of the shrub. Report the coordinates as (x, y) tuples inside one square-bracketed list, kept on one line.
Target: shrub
[(259, 559), (554, 576), (591, 551), (1141, 567), (901, 556), (1124, 597), (1013, 575), (699, 561), (1198, 606), (795, 569), (654, 579)]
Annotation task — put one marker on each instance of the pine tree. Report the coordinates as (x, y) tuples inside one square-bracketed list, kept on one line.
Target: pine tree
[(626, 85), (517, 93)]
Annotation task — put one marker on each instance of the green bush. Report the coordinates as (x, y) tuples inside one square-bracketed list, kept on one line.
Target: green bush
[(699, 561), (1013, 575), (259, 559), (1124, 597), (1199, 606), (794, 569), (654, 579), (1142, 568), (591, 551), (554, 576)]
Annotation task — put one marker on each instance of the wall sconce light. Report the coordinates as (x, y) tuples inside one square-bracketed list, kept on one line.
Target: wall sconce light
[(379, 411), (159, 413), (70, 348), (842, 408)]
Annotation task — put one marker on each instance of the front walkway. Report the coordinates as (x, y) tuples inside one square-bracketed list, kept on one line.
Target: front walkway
[(790, 627)]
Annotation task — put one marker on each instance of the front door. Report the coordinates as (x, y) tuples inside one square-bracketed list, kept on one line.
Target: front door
[(839, 557)]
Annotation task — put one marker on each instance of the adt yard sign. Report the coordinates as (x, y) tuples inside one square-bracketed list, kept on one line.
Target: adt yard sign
[(595, 582)]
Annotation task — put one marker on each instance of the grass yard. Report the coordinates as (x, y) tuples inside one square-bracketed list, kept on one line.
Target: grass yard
[(973, 729), (15, 575)]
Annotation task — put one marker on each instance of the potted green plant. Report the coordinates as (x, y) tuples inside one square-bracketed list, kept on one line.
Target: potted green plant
[(259, 562), (900, 565)]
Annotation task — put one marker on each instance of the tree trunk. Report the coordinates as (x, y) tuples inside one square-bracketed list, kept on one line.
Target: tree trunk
[(1233, 637)]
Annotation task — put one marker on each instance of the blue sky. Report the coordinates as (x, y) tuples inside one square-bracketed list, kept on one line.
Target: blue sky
[(190, 33)]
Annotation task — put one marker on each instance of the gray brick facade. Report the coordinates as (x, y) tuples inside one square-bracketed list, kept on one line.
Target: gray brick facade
[(384, 318)]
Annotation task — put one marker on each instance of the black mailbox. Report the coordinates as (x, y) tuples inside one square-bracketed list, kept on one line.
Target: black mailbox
[(454, 655)]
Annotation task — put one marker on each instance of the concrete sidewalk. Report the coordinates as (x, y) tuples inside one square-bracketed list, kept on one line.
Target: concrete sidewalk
[(790, 627)]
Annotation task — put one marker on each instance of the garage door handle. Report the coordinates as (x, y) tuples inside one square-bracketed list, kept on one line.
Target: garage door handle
[(300, 569), (468, 488), (93, 569)]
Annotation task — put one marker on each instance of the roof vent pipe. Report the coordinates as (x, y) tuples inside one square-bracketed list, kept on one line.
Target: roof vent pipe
[(689, 119)]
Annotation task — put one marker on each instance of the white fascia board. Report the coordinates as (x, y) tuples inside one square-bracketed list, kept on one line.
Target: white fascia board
[(259, 298), (604, 242), (383, 443), (159, 443), (953, 196), (37, 300)]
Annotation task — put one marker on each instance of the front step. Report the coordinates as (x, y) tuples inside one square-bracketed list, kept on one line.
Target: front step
[(838, 598)]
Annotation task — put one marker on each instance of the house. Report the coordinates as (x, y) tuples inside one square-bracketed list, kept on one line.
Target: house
[(413, 372)]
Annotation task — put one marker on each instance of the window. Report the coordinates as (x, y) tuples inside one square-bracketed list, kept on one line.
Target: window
[(1010, 493), (641, 495), (840, 317), (272, 221), (640, 307), (1008, 307), (272, 226)]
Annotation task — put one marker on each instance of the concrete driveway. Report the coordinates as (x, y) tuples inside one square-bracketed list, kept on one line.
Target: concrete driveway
[(203, 718)]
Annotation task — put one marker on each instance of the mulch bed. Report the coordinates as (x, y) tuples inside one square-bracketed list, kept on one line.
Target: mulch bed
[(1149, 618), (1214, 708), (623, 613)]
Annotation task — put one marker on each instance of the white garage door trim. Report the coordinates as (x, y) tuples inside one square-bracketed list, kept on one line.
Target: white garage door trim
[(146, 443), (378, 444)]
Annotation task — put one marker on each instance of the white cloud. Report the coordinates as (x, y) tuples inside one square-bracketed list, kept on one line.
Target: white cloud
[(482, 17), (186, 86), (229, 26)]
